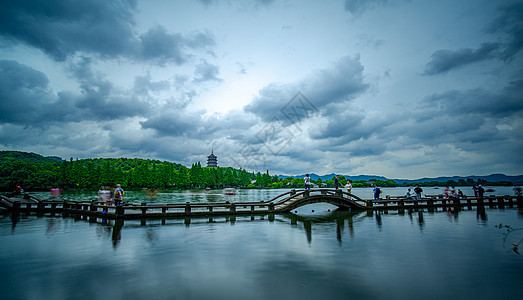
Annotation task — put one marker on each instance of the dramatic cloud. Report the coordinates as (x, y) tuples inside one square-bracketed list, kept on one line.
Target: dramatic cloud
[(510, 23), (504, 103), (106, 28), (61, 28), (350, 87), (509, 27), (160, 45), (446, 60), (340, 83), (28, 100)]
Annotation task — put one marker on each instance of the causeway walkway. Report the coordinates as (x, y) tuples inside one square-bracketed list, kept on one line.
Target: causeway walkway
[(284, 203)]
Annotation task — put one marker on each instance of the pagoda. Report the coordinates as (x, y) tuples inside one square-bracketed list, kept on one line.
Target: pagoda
[(212, 160)]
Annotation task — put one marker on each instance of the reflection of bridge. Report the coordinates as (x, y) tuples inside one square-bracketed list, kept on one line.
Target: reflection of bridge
[(284, 203)]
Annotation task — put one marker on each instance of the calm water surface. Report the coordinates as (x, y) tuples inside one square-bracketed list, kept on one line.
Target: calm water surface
[(312, 255)]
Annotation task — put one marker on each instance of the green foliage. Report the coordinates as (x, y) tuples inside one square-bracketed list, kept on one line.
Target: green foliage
[(12, 156), (35, 172)]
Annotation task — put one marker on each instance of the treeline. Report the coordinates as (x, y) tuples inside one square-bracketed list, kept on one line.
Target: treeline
[(35, 172), (90, 174)]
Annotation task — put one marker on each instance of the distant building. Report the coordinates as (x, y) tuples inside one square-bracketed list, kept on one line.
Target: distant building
[(212, 160)]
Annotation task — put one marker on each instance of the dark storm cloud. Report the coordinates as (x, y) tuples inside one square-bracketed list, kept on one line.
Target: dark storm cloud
[(508, 27), (358, 6), (446, 60), (342, 82), (363, 148), (464, 118), (509, 22), (341, 123), (157, 43), (174, 123), (27, 99), (22, 90), (504, 103), (194, 125), (62, 28), (99, 99)]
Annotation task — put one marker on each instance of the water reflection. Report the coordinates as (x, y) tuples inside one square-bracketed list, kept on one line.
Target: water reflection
[(356, 255), (481, 214), (421, 220), (114, 228), (117, 232)]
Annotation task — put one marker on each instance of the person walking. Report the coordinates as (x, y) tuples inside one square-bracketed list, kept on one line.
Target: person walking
[(307, 180), (118, 195)]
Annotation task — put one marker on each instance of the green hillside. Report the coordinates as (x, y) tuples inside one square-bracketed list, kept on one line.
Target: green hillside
[(6, 156), (35, 172)]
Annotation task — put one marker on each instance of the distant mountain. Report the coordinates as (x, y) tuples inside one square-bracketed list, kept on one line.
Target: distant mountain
[(518, 180), (26, 156), (329, 176), (490, 178)]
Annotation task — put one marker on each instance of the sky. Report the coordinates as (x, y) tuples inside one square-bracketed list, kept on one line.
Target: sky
[(398, 88)]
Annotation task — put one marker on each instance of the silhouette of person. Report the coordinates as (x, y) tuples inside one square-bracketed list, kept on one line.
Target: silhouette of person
[(337, 182), (481, 191), (377, 192)]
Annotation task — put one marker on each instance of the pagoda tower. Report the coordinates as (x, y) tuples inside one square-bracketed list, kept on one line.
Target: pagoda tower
[(212, 160)]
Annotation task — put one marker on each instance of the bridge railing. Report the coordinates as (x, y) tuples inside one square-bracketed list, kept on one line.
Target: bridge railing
[(439, 201), (131, 210), (308, 193)]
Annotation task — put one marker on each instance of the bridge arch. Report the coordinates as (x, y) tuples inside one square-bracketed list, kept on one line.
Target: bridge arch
[(338, 198)]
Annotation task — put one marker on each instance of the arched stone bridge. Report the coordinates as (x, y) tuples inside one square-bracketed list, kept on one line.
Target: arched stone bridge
[(288, 201)]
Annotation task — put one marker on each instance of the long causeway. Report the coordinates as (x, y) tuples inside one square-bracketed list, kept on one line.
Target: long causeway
[(284, 203)]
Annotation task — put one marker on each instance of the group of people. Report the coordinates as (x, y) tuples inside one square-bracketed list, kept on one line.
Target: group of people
[(111, 196), (478, 191), (451, 193), (414, 195), (337, 183), (376, 190)]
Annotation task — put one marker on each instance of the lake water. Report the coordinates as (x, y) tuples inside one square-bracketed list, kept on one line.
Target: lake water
[(311, 255)]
